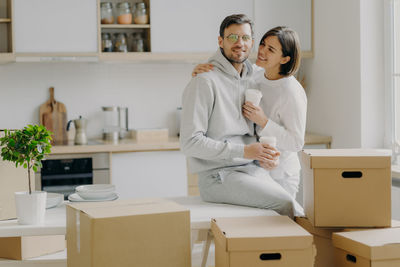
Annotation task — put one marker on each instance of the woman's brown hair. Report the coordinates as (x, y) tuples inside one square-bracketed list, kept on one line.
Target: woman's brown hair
[(290, 43)]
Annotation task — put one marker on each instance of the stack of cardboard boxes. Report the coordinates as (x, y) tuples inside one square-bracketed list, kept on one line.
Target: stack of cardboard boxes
[(347, 196)]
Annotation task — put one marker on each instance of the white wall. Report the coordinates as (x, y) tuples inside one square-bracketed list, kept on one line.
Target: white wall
[(152, 92), (372, 73), (345, 78)]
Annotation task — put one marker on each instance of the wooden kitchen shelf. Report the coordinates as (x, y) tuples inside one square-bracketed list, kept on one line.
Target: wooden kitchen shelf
[(6, 33), (143, 29), (125, 26), (156, 57), (169, 57), (7, 57)]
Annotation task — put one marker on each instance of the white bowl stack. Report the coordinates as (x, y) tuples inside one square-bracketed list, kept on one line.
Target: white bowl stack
[(96, 192)]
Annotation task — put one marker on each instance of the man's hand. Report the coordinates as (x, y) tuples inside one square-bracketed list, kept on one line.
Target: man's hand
[(200, 68), (270, 164), (261, 152)]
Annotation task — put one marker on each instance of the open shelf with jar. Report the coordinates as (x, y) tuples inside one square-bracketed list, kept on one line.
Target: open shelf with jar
[(124, 28), (6, 34)]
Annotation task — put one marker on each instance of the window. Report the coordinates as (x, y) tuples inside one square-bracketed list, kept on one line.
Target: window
[(393, 74), (396, 65)]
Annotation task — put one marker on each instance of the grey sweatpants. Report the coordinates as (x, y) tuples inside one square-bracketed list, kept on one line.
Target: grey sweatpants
[(248, 185)]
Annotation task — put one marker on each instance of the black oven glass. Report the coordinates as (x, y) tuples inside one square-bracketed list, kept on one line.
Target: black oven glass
[(63, 175)]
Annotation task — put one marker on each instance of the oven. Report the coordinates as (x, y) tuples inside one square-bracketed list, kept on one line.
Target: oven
[(61, 173)]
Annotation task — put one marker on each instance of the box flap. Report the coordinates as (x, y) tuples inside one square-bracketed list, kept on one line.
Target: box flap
[(127, 207), (318, 231), (347, 158), (327, 232), (376, 244), (219, 235), (263, 233)]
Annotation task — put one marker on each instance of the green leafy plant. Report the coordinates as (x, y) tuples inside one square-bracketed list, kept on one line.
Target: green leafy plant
[(26, 147)]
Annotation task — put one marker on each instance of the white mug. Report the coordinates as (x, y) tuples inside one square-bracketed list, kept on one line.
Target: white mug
[(269, 140), (253, 96)]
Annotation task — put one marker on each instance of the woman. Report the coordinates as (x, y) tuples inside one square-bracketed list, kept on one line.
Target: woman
[(283, 107)]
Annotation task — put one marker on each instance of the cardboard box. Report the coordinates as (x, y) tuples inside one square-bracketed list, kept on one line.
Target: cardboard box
[(12, 180), (25, 247), (323, 240), (347, 187), (142, 232), (150, 135), (261, 241), (378, 247)]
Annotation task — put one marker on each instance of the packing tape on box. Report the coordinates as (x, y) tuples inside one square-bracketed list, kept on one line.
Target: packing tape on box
[(78, 230)]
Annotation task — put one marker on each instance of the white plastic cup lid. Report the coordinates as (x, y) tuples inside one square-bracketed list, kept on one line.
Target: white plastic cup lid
[(254, 96)]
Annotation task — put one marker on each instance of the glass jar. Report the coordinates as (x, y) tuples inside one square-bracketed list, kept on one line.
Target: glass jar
[(120, 43), (137, 42), (124, 15), (111, 124), (106, 42), (140, 14), (106, 13)]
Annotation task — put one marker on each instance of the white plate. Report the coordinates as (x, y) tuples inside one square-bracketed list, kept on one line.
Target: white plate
[(76, 198), (94, 194), (53, 200), (96, 188)]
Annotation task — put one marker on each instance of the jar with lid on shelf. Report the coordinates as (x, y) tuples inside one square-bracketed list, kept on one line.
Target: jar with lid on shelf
[(120, 43), (137, 42), (124, 15), (106, 13), (140, 15), (106, 42)]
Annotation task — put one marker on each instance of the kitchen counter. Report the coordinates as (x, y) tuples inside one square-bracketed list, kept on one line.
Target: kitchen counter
[(126, 145), (131, 145), (396, 174), (316, 139)]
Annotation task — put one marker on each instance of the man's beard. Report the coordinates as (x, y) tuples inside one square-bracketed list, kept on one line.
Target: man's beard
[(231, 60)]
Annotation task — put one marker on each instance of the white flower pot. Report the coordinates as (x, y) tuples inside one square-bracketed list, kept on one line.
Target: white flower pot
[(31, 208)]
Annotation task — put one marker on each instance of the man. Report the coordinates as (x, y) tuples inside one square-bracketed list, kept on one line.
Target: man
[(218, 140)]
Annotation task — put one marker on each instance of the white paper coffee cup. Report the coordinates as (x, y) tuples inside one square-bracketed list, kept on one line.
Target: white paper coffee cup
[(253, 96), (269, 140)]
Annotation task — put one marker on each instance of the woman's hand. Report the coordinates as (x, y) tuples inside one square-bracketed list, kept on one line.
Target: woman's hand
[(255, 114), (202, 68)]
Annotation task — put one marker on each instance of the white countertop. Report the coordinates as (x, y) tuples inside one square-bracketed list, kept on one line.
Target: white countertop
[(55, 222)]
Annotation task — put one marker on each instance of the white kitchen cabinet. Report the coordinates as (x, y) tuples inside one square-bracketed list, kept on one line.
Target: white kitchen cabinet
[(149, 174), (55, 26), (191, 25)]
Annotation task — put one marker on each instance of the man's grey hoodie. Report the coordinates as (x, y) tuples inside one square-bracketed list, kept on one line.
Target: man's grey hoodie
[(213, 129)]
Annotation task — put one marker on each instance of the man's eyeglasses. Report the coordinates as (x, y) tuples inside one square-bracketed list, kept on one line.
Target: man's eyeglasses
[(233, 38)]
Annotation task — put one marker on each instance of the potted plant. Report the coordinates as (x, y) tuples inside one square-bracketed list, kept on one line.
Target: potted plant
[(27, 147)]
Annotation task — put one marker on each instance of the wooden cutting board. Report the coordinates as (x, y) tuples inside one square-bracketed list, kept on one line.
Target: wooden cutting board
[(53, 115)]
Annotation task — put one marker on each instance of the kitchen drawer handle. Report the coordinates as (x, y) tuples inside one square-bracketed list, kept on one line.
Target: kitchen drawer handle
[(351, 258), (270, 256), (353, 174)]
